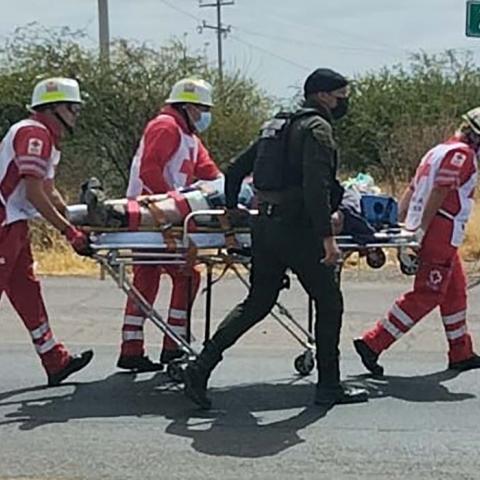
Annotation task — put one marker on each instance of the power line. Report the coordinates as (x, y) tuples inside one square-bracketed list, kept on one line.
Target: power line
[(275, 37), (308, 42), (180, 10), (219, 28), (268, 52), (238, 39), (337, 31)]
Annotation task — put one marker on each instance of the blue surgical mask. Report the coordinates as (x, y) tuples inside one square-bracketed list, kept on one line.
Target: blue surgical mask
[(203, 122)]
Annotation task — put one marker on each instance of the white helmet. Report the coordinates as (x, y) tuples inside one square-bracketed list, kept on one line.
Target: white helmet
[(55, 90), (191, 90), (472, 117)]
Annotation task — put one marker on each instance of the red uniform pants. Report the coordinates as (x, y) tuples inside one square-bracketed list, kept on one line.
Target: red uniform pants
[(147, 280), (18, 281), (440, 282)]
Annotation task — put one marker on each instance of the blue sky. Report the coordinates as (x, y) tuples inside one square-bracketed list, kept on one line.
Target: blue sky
[(277, 42)]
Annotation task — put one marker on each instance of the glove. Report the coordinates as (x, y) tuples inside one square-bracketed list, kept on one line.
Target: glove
[(79, 241)]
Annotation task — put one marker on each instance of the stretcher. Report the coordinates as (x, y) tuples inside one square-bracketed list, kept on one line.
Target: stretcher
[(192, 244)]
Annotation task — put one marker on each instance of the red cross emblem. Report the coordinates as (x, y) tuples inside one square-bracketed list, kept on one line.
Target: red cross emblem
[(189, 87), (188, 168), (34, 147), (51, 87), (435, 277)]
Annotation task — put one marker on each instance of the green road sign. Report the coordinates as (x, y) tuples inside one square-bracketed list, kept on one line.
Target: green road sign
[(473, 18)]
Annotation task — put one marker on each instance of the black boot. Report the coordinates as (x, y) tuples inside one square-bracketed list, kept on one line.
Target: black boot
[(169, 355), (329, 395), (195, 380), (196, 375), (93, 196), (138, 364), (368, 356), (468, 364), (76, 363)]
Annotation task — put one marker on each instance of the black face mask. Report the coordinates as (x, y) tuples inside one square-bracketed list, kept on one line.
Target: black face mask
[(341, 109)]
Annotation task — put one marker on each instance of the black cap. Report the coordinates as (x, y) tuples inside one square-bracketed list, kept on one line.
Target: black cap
[(323, 80)]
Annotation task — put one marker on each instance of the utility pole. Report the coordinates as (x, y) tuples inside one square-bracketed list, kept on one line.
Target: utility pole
[(219, 28), (103, 30)]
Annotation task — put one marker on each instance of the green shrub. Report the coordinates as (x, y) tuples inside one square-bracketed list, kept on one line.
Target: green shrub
[(396, 114), (399, 113), (120, 99)]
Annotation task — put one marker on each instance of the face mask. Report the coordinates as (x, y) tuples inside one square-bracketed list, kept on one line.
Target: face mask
[(203, 122), (67, 123), (341, 109)]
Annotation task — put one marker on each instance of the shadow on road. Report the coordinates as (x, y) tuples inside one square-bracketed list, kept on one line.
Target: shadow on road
[(245, 422), (421, 388), (232, 429), (249, 421), (115, 396)]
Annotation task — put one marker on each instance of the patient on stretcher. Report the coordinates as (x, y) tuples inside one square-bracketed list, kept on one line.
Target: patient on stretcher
[(358, 215), (153, 211)]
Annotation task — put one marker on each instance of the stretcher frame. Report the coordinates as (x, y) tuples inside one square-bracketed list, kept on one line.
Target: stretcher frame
[(115, 251)]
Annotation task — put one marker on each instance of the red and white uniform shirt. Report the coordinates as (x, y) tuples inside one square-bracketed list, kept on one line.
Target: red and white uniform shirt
[(28, 148), (452, 164), (169, 157)]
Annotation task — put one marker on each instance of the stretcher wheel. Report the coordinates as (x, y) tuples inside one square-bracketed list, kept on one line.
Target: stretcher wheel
[(376, 258), (175, 370), (408, 263), (304, 363)]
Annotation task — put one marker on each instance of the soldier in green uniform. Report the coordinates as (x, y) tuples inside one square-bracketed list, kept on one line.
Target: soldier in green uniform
[(294, 164)]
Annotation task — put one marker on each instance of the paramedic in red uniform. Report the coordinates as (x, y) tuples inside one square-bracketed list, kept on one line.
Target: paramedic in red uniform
[(436, 205), (29, 154), (170, 156)]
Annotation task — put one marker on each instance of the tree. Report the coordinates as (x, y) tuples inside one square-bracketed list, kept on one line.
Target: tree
[(399, 113), (120, 98)]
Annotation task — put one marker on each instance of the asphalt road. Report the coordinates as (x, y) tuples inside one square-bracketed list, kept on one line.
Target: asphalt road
[(421, 422)]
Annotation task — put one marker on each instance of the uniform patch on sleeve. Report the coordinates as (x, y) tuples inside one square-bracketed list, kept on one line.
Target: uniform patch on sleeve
[(35, 146), (458, 159)]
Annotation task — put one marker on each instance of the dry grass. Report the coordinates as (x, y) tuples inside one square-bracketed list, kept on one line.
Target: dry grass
[(471, 247), (64, 262), (53, 256)]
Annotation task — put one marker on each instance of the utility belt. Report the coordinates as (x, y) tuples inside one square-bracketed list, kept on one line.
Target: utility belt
[(270, 209), (287, 203), (285, 213)]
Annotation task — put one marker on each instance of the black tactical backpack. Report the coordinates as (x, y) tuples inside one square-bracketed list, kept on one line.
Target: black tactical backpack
[(271, 168)]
